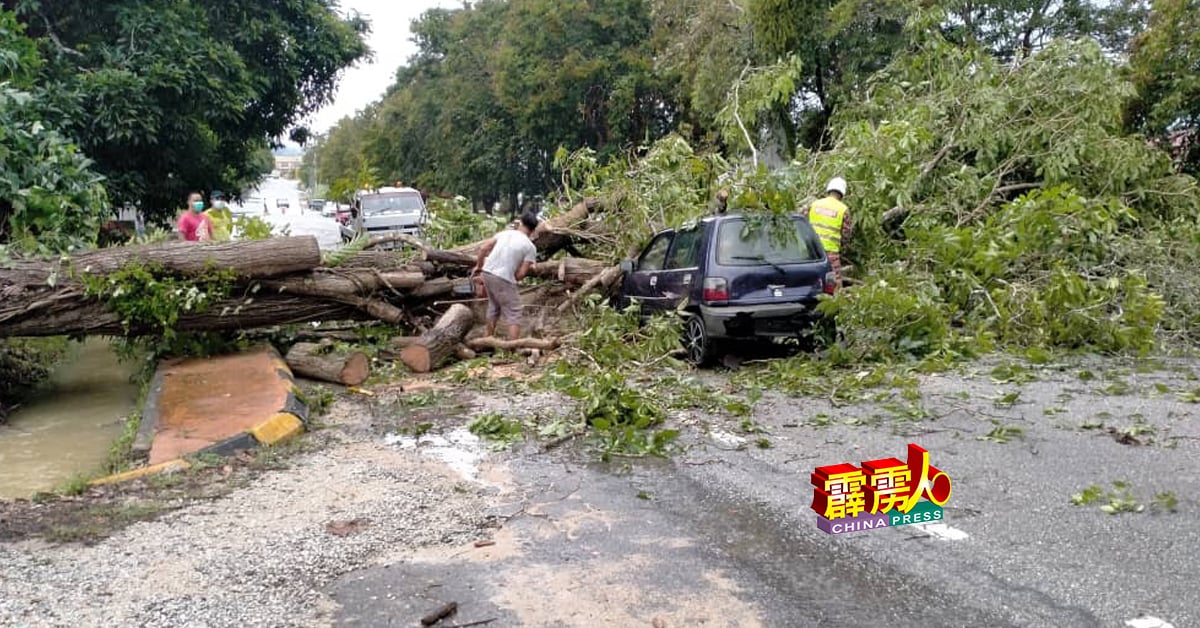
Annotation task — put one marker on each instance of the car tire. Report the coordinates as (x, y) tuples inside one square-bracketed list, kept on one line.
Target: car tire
[(697, 344)]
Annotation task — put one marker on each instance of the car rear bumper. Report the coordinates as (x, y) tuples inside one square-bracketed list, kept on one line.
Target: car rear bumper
[(767, 320)]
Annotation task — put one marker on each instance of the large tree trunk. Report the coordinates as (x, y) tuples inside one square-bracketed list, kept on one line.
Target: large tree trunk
[(79, 316), (437, 345), (320, 361), (249, 259)]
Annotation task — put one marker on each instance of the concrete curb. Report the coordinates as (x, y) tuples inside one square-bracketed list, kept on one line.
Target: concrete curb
[(140, 450), (288, 422)]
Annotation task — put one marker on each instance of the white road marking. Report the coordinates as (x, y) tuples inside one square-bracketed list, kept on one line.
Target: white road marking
[(1148, 622), (941, 531)]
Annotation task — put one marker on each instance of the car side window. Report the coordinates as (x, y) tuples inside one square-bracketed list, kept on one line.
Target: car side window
[(655, 255), (686, 253)]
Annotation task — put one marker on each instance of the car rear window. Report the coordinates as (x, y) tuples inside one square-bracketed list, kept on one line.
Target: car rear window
[(742, 244)]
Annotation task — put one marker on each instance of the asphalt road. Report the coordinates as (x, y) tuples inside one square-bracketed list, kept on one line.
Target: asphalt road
[(297, 219), (723, 535)]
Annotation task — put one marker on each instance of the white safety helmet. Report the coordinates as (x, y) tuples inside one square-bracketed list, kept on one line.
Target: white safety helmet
[(836, 184)]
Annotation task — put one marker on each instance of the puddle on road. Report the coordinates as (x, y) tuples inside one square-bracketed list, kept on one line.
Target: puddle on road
[(459, 449), (69, 426)]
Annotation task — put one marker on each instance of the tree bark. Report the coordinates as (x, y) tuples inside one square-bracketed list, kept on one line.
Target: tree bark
[(605, 280), (438, 344), (489, 343), (319, 361), (249, 259), (572, 271), (80, 316), (325, 282)]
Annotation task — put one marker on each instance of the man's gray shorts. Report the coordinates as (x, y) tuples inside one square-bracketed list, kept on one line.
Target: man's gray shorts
[(504, 300)]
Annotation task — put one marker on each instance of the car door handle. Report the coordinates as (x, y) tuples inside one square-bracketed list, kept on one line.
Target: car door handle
[(653, 280)]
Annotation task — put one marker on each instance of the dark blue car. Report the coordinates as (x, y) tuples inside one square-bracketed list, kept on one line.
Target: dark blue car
[(731, 281)]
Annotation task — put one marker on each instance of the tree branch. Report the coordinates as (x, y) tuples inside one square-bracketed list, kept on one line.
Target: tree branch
[(738, 118), (54, 38)]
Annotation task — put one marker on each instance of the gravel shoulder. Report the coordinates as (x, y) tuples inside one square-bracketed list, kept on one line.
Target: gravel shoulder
[(259, 554), (374, 521)]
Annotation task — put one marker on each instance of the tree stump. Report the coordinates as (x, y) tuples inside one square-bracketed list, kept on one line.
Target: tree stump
[(439, 344), (319, 361)]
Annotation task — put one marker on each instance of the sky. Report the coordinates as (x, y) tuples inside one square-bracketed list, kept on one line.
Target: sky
[(390, 41)]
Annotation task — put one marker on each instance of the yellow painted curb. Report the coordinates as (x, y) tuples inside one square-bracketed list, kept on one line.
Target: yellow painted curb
[(162, 467), (277, 429)]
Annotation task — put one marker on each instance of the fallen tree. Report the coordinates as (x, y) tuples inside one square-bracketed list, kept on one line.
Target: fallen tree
[(163, 289), (244, 284)]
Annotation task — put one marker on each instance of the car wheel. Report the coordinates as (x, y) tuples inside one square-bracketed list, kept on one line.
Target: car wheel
[(696, 342)]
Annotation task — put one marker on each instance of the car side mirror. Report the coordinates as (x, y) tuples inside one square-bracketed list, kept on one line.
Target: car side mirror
[(354, 213), (626, 266)]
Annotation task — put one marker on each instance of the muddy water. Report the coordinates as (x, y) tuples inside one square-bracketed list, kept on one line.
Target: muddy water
[(69, 426)]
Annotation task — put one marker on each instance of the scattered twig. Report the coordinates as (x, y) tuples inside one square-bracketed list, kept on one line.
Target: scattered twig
[(440, 614), (560, 440), (472, 623)]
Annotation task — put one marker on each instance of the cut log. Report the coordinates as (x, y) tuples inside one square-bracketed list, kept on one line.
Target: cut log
[(437, 345), (573, 271), (320, 361), (489, 343)]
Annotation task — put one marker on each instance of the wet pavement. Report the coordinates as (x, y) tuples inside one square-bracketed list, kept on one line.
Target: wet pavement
[(297, 220), (196, 403), (723, 535)]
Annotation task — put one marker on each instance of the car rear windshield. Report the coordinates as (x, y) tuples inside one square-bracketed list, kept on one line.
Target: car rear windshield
[(742, 244), (391, 202)]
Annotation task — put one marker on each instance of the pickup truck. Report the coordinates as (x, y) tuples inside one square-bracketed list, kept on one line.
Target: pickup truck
[(386, 211)]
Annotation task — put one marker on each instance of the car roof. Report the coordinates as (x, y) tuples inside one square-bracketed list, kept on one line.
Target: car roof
[(711, 219), (389, 190)]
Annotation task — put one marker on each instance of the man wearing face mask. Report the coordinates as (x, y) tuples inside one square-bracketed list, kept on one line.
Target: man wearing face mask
[(219, 217), (193, 225)]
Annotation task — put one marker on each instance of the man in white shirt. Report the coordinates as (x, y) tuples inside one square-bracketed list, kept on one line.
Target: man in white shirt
[(504, 260)]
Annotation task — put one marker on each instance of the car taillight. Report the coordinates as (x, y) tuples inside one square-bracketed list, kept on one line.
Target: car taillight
[(830, 283), (716, 291)]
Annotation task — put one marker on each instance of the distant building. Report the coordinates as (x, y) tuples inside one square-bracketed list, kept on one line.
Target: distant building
[(287, 165)]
